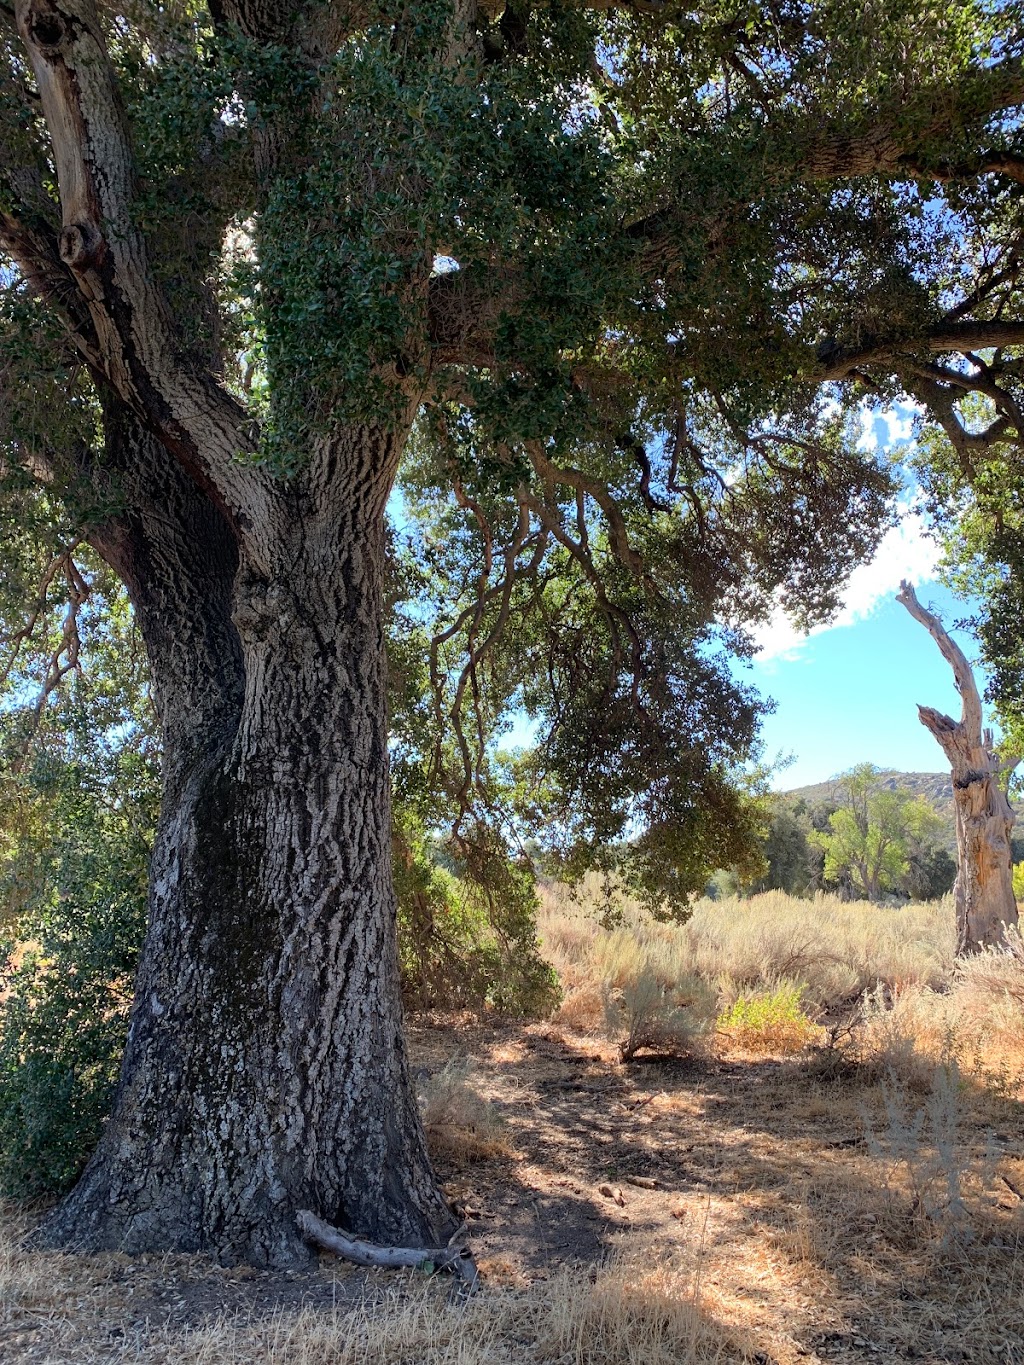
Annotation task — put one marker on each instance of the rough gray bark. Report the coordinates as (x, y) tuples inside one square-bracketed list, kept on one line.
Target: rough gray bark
[(178, 558), (265, 1069), (983, 894)]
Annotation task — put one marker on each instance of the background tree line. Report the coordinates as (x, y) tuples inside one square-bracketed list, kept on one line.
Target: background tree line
[(869, 839)]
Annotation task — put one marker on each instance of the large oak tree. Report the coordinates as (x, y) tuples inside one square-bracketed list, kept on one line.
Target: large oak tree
[(608, 278)]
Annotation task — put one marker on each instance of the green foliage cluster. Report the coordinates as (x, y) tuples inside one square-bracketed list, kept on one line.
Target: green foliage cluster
[(467, 932), (869, 833), (79, 797), (771, 1020), (870, 840)]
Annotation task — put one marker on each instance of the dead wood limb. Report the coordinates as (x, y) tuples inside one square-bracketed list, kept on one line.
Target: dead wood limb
[(963, 675), (459, 1260), (983, 893)]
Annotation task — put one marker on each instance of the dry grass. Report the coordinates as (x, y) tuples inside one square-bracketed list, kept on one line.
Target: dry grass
[(622, 1315), (790, 1221), (632, 1311), (891, 973), (975, 1024), (863, 1201), (836, 949), (461, 1125)]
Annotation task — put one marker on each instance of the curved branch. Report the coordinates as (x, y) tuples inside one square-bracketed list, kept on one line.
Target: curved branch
[(459, 1260), (970, 721), (473, 616), (105, 253), (575, 478)]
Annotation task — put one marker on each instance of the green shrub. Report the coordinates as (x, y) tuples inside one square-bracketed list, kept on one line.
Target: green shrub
[(67, 962), (770, 1021), (467, 936), (62, 1034)]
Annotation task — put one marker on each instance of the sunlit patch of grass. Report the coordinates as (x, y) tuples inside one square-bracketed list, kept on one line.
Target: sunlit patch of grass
[(837, 949), (461, 1125)]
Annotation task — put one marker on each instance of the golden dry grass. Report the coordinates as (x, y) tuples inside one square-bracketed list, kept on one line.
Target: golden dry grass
[(792, 1220), (623, 1315), (863, 1200), (836, 949), (460, 1124), (67, 1310)]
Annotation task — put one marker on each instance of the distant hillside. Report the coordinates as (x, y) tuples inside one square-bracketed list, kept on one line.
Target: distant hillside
[(935, 788)]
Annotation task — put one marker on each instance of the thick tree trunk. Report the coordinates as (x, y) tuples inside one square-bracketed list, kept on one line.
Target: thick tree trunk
[(265, 1070), (983, 895)]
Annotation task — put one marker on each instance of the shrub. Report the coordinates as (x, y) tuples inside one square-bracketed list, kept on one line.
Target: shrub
[(770, 1021), (467, 935), (77, 814), (997, 971), (657, 1015), (460, 1124), (66, 971)]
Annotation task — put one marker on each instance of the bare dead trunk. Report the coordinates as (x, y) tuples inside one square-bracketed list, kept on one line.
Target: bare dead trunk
[(983, 895), (265, 1070)]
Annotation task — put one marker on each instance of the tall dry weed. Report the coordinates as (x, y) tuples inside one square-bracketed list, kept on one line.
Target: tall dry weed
[(460, 1125), (918, 1149)]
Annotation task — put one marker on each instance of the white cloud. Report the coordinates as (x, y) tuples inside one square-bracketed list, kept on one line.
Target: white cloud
[(905, 552), (883, 430)]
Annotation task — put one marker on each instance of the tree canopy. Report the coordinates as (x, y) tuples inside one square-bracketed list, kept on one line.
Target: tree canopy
[(611, 254), (871, 832)]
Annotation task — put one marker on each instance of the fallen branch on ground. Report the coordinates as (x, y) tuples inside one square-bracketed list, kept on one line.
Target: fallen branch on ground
[(459, 1260)]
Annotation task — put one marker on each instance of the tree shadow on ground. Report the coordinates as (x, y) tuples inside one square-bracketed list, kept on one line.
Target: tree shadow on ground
[(760, 1158)]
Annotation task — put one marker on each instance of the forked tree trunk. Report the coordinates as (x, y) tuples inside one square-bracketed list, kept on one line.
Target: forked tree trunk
[(983, 894), (265, 1070)]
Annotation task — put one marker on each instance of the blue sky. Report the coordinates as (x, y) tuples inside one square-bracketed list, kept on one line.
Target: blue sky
[(849, 693)]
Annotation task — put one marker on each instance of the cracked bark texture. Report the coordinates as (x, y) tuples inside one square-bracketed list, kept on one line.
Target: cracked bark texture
[(983, 893), (265, 1069)]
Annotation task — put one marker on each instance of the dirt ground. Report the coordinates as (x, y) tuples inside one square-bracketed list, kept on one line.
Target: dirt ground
[(819, 1222), (805, 1234)]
